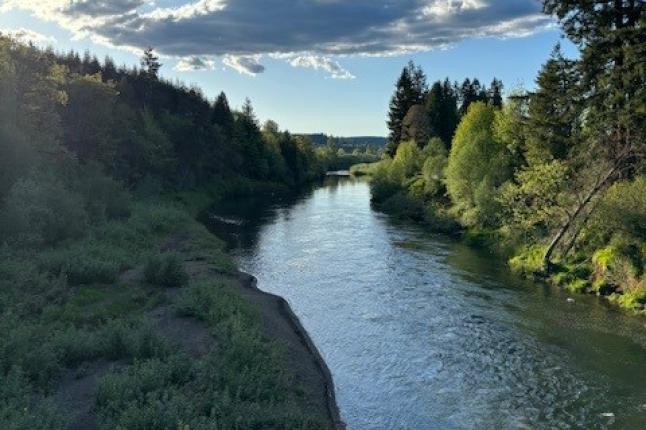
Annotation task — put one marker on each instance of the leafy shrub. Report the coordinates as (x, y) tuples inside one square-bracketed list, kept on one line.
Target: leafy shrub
[(165, 270), (84, 263), (17, 409), (29, 347), (622, 208), (104, 198), (436, 215), (42, 211), (633, 298), (383, 185), (578, 285), (133, 338), (529, 260), (433, 169)]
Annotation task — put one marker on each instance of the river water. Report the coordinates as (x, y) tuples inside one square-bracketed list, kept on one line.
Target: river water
[(421, 332)]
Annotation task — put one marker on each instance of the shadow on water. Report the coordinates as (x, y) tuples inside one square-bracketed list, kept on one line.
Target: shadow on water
[(422, 332)]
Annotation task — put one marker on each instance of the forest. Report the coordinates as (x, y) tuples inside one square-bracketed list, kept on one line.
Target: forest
[(552, 178), (102, 173)]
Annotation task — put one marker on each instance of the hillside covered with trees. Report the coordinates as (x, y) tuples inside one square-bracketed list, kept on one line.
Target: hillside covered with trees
[(553, 178), (102, 263)]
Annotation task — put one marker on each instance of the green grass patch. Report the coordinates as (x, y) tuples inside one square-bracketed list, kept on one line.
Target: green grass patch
[(165, 270), (240, 384), (529, 260)]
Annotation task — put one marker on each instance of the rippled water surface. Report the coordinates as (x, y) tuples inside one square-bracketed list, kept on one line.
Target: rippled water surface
[(423, 333)]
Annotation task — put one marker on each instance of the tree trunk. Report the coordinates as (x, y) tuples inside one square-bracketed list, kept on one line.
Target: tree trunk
[(578, 231), (547, 259)]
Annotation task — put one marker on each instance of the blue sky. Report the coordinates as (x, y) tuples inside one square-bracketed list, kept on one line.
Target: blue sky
[(311, 65)]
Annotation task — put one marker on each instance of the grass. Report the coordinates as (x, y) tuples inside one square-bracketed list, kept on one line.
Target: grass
[(69, 305), (241, 384), (165, 270)]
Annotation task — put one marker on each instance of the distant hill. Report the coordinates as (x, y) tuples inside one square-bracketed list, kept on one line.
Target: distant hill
[(320, 139)]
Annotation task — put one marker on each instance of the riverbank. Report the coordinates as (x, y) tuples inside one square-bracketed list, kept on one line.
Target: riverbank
[(614, 272), (146, 323), (421, 331)]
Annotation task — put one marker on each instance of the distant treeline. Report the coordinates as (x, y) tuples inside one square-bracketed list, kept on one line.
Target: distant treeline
[(361, 142)]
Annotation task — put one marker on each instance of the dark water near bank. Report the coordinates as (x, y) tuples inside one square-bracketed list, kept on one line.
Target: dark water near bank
[(423, 333)]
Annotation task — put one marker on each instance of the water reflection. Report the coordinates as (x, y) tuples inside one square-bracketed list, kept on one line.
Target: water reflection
[(424, 333)]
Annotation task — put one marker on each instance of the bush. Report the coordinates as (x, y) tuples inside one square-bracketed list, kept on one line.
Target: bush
[(104, 198), (578, 285), (42, 211), (434, 167), (529, 260), (634, 298), (17, 408), (134, 338), (83, 263), (165, 270)]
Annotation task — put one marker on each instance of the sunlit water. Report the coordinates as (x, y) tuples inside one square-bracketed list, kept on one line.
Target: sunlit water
[(420, 332)]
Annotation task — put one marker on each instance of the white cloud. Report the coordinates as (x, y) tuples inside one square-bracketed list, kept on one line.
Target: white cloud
[(442, 8), (193, 64), (318, 62), (187, 11), (308, 33), (26, 35), (244, 64)]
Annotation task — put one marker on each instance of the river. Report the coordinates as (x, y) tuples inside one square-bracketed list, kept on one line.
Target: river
[(421, 332)]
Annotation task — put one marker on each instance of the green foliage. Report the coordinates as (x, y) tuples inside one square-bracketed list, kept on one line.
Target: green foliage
[(442, 107), (104, 198), (364, 169), (622, 208), (41, 211), (416, 125), (17, 409), (529, 260), (165, 270), (477, 166), (554, 110), (240, 384), (409, 91), (578, 285), (634, 299), (88, 119), (433, 169), (535, 201)]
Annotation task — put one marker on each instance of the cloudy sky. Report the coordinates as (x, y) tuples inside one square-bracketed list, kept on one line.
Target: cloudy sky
[(311, 65)]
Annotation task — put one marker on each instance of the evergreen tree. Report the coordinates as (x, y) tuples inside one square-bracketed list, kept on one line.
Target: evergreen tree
[(553, 110), (222, 116), (109, 70), (611, 37), (495, 93), (480, 91), (150, 63), (410, 89), (468, 95), (441, 105)]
